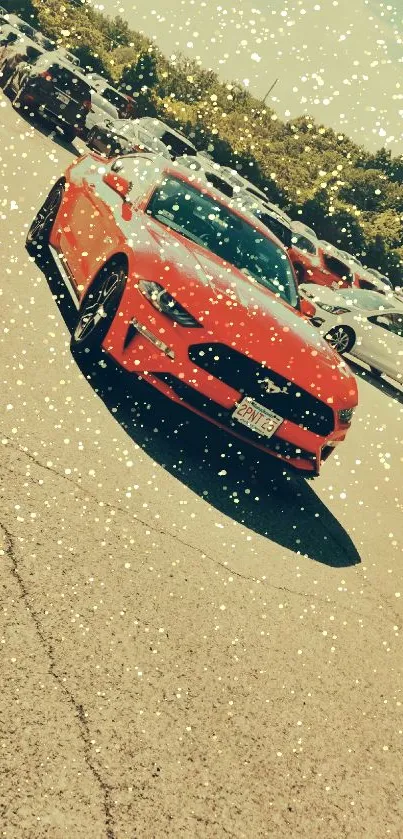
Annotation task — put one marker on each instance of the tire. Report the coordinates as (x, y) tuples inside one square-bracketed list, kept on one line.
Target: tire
[(341, 338), (69, 134), (7, 89), (39, 232), (5, 74), (91, 140), (98, 309)]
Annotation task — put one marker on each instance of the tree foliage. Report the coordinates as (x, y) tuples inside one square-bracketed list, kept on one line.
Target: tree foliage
[(352, 197)]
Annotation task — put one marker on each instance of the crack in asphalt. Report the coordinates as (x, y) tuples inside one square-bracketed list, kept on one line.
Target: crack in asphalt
[(79, 712), (164, 532), (161, 531)]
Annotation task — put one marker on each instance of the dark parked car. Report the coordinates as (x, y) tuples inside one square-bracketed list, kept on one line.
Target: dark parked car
[(122, 136), (123, 104), (57, 91), (100, 111), (16, 47)]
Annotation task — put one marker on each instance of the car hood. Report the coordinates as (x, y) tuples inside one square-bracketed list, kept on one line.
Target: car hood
[(237, 311), (324, 294)]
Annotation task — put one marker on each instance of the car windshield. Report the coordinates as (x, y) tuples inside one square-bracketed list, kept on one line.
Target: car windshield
[(369, 300), (176, 145), (277, 227), (153, 143), (208, 223)]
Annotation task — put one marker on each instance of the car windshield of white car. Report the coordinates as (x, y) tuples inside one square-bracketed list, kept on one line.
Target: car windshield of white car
[(203, 220)]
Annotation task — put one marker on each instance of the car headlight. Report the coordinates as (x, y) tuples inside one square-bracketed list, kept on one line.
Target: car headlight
[(345, 415), (334, 310), (165, 303)]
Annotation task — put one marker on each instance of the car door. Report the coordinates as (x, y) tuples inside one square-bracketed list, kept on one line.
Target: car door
[(383, 344), (86, 240)]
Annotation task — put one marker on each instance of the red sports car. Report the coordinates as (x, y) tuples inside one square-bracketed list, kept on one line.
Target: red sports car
[(200, 299)]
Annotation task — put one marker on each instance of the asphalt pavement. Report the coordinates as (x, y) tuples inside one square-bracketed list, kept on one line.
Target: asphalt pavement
[(190, 647)]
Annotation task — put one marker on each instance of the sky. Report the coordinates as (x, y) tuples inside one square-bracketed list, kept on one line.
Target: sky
[(340, 61)]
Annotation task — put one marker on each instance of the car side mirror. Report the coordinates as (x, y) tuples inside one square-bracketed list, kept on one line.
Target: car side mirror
[(307, 309), (118, 183)]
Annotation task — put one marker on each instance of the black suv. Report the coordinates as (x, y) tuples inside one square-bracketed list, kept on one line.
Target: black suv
[(57, 91)]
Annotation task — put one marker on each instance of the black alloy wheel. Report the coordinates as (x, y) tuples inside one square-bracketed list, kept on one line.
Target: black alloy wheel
[(341, 338), (98, 309), (39, 232)]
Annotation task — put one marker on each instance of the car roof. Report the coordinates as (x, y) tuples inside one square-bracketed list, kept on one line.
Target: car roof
[(54, 57)]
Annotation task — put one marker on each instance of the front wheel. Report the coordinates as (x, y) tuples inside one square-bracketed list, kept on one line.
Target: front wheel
[(98, 309), (39, 232), (341, 338)]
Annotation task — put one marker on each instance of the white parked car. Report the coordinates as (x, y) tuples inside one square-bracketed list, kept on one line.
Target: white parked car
[(362, 323), (304, 229)]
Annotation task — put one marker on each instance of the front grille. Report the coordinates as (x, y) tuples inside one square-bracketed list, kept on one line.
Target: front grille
[(222, 415), (247, 377)]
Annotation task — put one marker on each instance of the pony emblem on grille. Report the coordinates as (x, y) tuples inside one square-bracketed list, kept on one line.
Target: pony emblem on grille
[(268, 386)]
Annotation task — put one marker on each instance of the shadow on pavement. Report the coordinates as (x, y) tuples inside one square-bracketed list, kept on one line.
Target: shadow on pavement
[(256, 492), (384, 385)]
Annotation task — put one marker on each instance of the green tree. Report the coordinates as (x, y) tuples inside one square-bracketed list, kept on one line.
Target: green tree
[(364, 188), (139, 79), (141, 75)]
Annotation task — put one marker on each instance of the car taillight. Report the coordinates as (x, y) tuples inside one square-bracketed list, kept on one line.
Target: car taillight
[(45, 75), (87, 105)]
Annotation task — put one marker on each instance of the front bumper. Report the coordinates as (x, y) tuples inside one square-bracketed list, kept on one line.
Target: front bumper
[(153, 348)]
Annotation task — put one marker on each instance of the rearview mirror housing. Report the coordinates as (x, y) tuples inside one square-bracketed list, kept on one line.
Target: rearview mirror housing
[(118, 183), (307, 309)]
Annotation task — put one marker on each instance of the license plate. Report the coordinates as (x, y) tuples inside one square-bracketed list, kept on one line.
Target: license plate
[(63, 98), (255, 416)]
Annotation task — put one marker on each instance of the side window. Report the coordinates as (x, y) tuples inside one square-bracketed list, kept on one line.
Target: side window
[(393, 323), (336, 267), (10, 38), (303, 244)]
